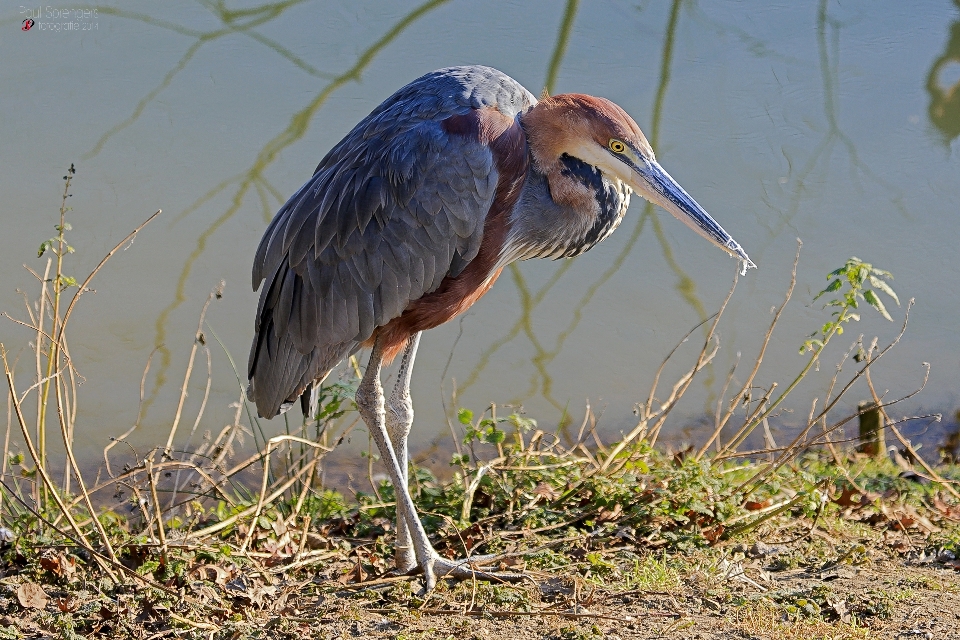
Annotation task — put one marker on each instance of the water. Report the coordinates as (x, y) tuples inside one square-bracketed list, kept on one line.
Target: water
[(833, 123)]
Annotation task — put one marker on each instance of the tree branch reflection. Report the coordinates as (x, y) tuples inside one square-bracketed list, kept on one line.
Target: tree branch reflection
[(944, 109)]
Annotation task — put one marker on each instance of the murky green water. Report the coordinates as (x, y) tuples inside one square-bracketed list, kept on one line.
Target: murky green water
[(833, 123)]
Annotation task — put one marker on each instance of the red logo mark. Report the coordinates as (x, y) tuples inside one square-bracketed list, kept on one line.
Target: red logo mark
[(27, 24)]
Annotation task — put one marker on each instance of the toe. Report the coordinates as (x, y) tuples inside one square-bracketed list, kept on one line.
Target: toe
[(429, 575)]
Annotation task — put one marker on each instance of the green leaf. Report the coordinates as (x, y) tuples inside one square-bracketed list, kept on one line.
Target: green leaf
[(148, 567), (876, 303), (45, 246), (495, 436), (883, 286), (465, 416), (833, 286), (860, 275), (520, 422), (640, 465)]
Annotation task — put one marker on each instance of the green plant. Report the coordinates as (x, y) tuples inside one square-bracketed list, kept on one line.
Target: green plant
[(487, 430), (855, 274)]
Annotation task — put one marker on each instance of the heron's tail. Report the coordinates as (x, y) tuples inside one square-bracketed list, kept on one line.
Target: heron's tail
[(280, 374)]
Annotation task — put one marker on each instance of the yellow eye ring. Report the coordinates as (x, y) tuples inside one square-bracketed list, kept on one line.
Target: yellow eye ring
[(617, 146)]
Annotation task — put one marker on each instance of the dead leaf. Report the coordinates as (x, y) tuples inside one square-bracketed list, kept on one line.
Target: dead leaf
[(839, 607), (850, 498), (516, 563), (949, 511), (68, 604), (713, 534), (61, 565), (910, 518), (51, 564), (467, 538), (211, 573), (610, 515), (279, 527), (900, 545), (261, 595), (751, 505), (317, 541), (354, 576), (545, 491), (31, 596)]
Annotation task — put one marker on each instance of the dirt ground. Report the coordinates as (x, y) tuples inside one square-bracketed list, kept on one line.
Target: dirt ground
[(890, 597), (864, 584)]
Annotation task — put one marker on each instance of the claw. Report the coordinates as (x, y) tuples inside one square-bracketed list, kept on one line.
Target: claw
[(429, 575), (465, 569)]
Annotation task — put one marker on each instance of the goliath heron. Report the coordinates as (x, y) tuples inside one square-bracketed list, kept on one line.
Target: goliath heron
[(409, 220)]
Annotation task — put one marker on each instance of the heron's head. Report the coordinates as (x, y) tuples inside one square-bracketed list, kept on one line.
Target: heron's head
[(600, 133)]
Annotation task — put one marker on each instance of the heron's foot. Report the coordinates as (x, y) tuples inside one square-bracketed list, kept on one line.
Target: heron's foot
[(465, 569)]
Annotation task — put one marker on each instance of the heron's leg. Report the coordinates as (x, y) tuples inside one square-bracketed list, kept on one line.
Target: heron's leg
[(370, 403), (399, 421)]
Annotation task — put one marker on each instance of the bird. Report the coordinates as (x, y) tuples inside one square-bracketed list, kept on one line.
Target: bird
[(410, 219)]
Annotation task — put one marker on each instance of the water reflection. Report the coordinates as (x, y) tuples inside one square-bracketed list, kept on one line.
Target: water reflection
[(828, 50), (943, 85), (234, 22)]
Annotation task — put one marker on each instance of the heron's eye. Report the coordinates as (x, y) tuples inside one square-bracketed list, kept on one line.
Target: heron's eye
[(617, 146)]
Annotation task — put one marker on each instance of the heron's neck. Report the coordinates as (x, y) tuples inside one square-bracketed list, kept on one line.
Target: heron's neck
[(542, 228)]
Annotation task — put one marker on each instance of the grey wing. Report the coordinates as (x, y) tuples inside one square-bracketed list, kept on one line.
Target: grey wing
[(395, 207)]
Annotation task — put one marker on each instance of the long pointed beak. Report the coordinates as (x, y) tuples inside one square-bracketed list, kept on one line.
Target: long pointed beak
[(656, 185)]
